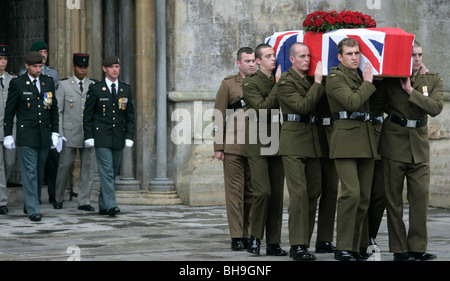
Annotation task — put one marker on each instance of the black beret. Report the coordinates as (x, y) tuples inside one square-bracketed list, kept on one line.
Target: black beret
[(110, 60), (34, 58), (81, 59)]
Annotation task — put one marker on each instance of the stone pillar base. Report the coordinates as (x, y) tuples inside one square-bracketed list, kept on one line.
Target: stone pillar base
[(124, 184), (147, 198)]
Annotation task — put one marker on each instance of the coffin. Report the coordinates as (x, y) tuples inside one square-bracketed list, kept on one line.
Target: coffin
[(389, 50)]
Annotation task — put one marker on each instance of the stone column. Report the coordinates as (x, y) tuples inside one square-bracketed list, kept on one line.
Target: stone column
[(161, 183), (126, 179), (110, 28)]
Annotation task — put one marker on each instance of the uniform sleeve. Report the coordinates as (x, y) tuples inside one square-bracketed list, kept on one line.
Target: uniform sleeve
[(348, 98), (220, 108), (434, 102), (11, 107), (54, 114), (60, 99), (255, 100), (88, 114), (298, 99)]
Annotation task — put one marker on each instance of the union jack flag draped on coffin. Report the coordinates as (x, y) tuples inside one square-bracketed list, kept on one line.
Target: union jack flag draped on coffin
[(389, 50)]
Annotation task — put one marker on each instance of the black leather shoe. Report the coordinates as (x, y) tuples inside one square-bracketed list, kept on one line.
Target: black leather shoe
[(35, 217), (254, 246), (113, 211), (325, 247), (300, 253), (402, 257), (237, 244), (275, 250), (343, 256), (88, 208), (422, 256), (57, 205), (3, 210), (360, 257)]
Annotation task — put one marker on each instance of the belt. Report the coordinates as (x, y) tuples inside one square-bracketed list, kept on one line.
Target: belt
[(361, 116), (309, 119), (408, 123), (237, 105), (270, 118)]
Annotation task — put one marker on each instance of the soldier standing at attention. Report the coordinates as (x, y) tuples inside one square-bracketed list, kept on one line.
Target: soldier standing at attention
[(7, 156), (32, 99), (353, 145), (405, 150), (260, 94), (109, 126), (229, 148), (71, 96), (299, 144)]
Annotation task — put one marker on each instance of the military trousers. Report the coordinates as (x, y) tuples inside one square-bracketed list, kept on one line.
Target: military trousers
[(7, 160), (303, 196), (238, 194), (108, 161), (32, 166), (87, 170), (267, 174), (328, 199), (377, 206), (417, 187), (355, 175)]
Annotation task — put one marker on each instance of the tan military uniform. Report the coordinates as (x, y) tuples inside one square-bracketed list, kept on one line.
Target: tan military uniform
[(405, 151), (260, 92), (7, 156), (71, 102), (353, 147), (230, 137), (300, 148)]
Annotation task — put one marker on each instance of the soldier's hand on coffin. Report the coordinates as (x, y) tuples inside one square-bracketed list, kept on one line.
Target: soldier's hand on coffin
[(424, 70), (219, 155), (278, 74), (406, 85), (318, 73), (368, 73)]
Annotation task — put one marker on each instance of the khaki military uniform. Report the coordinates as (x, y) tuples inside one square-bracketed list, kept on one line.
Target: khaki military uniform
[(260, 93), (405, 150), (301, 150), (329, 179), (229, 137), (353, 146), (7, 156), (71, 101)]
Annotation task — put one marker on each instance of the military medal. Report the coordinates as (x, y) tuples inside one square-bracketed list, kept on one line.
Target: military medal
[(123, 103), (425, 91), (48, 100)]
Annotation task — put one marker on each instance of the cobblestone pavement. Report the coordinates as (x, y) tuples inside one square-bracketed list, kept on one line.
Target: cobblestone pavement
[(156, 233)]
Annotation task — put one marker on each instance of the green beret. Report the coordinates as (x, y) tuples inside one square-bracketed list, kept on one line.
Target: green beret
[(40, 45), (110, 60), (34, 58)]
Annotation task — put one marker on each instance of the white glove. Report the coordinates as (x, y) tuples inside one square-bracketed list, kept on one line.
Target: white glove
[(59, 146), (9, 143), (129, 143), (55, 138), (89, 143)]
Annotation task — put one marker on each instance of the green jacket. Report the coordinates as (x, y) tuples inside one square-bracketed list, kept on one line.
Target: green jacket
[(260, 93), (348, 92), (299, 96), (410, 145)]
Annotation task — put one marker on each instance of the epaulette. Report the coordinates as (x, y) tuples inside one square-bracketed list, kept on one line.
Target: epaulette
[(64, 79), (93, 81), (124, 83), (229, 77)]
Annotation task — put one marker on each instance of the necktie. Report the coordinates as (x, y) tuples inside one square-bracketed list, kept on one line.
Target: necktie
[(1, 82), (35, 84), (113, 88), (81, 87)]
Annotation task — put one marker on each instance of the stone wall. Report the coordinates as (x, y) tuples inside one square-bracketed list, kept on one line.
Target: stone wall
[(204, 37)]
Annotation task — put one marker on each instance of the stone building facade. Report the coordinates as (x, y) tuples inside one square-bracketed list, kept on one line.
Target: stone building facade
[(172, 163)]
